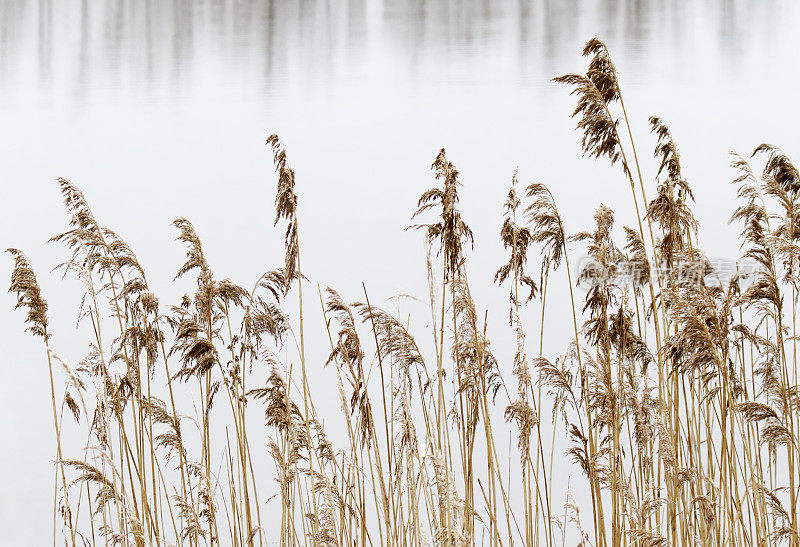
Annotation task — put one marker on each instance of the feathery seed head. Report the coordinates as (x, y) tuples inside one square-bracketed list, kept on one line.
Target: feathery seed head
[(29, 296)]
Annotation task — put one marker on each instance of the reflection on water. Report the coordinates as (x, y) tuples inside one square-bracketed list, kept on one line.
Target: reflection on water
[(164, 48)]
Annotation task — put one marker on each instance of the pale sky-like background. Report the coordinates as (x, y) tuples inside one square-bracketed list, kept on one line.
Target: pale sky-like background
[(160, 109)]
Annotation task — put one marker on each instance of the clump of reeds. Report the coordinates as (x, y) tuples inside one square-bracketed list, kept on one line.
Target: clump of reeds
[(676, 398)]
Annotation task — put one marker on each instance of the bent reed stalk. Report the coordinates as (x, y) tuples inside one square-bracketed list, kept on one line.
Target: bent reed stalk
[(676, 397)]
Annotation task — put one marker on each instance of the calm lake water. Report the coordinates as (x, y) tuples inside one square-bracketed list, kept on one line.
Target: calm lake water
[(160, 109)]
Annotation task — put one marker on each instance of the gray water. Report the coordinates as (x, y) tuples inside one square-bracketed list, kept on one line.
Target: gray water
[(160, 109)]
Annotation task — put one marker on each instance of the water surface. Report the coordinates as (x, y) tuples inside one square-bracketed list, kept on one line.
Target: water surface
[(160, 109)]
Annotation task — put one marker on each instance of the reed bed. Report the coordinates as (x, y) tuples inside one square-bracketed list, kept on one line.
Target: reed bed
[(677, 396)]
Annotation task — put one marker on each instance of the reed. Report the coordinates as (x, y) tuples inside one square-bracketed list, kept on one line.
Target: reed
[(676, 398)]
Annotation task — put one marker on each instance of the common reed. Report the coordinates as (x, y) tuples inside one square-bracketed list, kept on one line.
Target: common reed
[(676, 398)]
